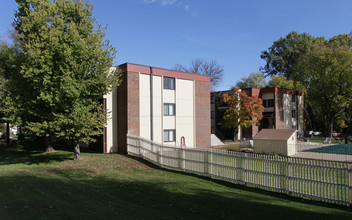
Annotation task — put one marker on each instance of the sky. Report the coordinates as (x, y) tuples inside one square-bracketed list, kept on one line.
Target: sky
[(162, 33)]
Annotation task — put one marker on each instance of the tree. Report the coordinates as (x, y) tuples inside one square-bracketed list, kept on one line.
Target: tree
[(206, 68), (242, 110), (66, 66), (11, 85), (330, 79), (282, 57), (254, 80), (283, 83)]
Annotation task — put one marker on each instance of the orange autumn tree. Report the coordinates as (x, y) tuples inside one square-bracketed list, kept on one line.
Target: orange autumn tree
[(242, 110)]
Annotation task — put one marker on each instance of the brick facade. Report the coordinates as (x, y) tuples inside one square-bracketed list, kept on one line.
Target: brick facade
[(202, 114), (128, 101)]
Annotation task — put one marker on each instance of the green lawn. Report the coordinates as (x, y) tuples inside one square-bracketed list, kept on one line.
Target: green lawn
[(322, 139), (35, 185)]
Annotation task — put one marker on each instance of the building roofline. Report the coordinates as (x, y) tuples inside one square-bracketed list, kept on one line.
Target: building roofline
[(167, 72)]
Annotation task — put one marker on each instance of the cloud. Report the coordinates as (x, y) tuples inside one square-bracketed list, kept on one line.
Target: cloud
[(187, 7), (175, 3), (149, 1), (167, 2)]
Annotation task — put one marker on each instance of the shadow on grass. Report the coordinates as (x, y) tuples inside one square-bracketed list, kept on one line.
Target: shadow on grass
[(239, 186), (67, 196), (30, 153)]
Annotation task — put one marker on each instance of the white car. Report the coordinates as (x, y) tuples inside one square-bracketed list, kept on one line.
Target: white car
[(315, 132)]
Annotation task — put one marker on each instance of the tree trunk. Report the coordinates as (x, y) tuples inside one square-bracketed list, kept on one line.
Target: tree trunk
[(77, 151), (331, 127), (7, 133), (48, 147), (235, 134), (20, 136), (313, 120)]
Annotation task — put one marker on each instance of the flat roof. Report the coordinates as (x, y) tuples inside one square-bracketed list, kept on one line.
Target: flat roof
[(163, 72)]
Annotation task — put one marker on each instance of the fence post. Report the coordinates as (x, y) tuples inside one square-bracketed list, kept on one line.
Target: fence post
[(183, 159), (350, 183), (289, 162), (245, 169), (161, 147), (211, 162)]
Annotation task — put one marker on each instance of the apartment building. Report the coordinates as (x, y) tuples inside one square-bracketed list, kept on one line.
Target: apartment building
[(166, 106), (283, 109)]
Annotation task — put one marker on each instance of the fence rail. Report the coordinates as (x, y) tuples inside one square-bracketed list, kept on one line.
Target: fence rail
[(326, 181)]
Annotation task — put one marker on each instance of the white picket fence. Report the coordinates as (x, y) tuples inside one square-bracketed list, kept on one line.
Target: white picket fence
[(326, 181)]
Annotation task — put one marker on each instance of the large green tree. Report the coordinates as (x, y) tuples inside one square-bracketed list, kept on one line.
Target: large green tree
[(12, 85), (254, 80), (66, 66), (284, 83), (282, 57), (330, 81)]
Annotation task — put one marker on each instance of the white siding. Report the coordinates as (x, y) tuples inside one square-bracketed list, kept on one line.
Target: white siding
[(185, 111), (157, 109), (182, 122), (111, 127), (144, 106), (289, 122), (169, 95), (300, 114)]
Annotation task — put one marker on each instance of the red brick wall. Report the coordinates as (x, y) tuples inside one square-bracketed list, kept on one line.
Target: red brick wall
[(133, 103), (202, 113), (128, 108)]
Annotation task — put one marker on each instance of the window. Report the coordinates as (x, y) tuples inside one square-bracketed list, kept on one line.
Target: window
[(169, 83), (169, 135), (169, 109), (268, 103), (271, 103), (265, 102), (293, 98), (293, 113)]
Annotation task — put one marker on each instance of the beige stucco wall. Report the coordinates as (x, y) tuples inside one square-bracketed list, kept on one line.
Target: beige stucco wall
[(111, 127), (185, 112), (269, 95)]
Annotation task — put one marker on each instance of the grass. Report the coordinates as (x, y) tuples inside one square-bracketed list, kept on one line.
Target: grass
[(322, 139), (35, 185)]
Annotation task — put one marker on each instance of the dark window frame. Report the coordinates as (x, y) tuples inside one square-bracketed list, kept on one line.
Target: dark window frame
[(169, 83), (168, 135), (268, 103), (168, 109), (293, 112)]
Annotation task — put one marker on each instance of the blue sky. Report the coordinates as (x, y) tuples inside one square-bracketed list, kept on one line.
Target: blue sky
[(162, 33)]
